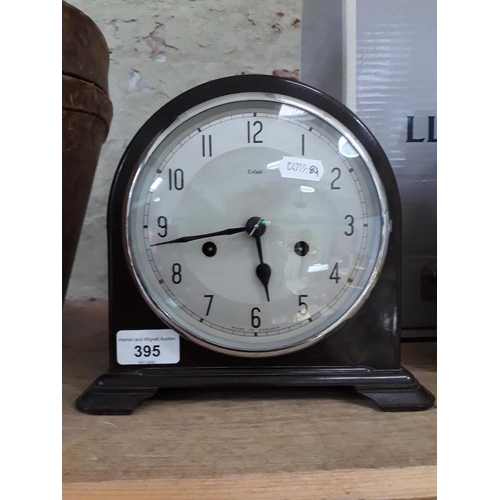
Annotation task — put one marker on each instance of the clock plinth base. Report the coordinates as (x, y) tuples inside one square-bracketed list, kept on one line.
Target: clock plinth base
[(121, 393)]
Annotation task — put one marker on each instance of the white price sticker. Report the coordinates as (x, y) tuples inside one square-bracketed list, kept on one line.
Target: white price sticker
[(147, 347), (301, 168)]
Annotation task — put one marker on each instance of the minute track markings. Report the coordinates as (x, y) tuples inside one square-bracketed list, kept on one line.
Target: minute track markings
[(260, 333)]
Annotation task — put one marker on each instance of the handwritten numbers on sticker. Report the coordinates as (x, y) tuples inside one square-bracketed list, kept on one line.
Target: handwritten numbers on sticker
[(301, 168)]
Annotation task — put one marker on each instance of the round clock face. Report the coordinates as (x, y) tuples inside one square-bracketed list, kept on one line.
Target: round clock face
[(255, 224)]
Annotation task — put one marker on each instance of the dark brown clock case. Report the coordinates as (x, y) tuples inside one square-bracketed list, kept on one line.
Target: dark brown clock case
[(363, 352)]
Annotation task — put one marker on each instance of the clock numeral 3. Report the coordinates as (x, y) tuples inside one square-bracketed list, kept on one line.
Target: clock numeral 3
[(250, 138), (350, 224), (255, 318), (176, 273)]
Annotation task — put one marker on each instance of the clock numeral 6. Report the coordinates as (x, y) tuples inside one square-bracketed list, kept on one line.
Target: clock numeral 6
[(255, 318), (176, 273)]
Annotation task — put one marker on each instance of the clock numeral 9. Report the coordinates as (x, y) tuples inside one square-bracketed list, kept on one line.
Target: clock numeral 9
[(176, 273), (253, 138), (302, 303), (350, 224), (338, 173), (255, 318), (162, 224), (175, 179)]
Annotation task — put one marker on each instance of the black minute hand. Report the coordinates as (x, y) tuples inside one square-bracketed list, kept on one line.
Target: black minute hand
[(185, 239)]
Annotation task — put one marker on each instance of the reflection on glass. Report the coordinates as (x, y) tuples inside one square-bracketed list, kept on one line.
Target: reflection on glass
[(291, 112), (317, 268), (274, 165), (156, 183), (346, 148)]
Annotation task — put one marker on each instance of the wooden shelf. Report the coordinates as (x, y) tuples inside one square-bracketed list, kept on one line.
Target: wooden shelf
[(238, 444)]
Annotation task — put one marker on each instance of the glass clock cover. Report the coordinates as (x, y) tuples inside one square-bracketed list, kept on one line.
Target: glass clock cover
[(256, 224)]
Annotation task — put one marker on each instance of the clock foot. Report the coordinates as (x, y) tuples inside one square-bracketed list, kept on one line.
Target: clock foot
[(102, 398), (416, 398)]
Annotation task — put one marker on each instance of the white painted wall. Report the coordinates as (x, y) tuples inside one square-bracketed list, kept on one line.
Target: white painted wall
[(158, 50)]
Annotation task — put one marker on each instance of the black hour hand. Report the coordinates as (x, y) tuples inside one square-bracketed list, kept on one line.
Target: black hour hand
[(263, 270)]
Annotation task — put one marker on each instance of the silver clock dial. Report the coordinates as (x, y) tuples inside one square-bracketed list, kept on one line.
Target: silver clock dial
[(304, 248)]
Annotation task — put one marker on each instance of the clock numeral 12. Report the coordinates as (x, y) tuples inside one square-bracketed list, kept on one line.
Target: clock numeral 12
[(253, 138)]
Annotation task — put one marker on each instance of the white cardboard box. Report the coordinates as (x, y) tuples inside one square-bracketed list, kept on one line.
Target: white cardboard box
[(379, 58)]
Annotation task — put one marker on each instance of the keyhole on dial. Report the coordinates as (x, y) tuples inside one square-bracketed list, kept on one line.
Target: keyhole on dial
[(209, 249), (301, 248)]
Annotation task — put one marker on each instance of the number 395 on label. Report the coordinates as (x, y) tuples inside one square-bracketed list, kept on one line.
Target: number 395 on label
[(147, 347)]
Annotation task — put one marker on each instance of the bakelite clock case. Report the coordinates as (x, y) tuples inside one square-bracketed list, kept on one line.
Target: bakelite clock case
[(364, 352)]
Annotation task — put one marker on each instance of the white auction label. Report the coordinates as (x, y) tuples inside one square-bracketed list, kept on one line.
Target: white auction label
[(301, 168), (147, 347)]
